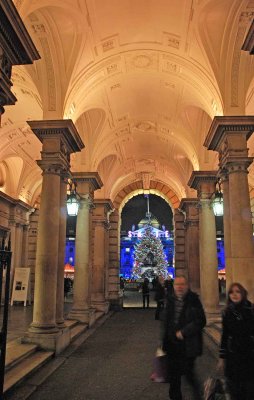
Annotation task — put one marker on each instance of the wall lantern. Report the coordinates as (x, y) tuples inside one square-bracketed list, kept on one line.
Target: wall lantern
[(217, 201), (72, 199)]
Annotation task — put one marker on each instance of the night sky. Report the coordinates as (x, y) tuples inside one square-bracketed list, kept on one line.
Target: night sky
[(136, 209)]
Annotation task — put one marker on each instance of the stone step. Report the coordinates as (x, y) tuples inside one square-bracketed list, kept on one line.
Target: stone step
[(77, 330), (16, 352), (28, 365), (99, 314), (70, 323)]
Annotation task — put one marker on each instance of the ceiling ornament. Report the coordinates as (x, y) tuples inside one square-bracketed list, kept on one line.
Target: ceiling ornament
[(145, 126), (146, 179), (148, 60), (171, 40), (142, 61), (125, 130), (169, 66), (116, 86)]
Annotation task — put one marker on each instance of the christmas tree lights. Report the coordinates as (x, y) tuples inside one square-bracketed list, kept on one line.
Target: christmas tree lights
[(149, 255)]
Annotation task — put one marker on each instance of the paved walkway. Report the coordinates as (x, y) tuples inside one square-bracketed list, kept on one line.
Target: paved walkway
[(133, 298), (115, 363)]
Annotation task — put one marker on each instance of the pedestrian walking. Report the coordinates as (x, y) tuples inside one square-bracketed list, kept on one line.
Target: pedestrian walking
[(145, 293), (184, 320), (237, 344)]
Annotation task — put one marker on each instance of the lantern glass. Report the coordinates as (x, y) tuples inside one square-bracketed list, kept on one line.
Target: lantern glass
[(72, 205), (218, 205)]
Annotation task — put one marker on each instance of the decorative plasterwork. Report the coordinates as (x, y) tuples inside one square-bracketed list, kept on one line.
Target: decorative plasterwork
[(146, 178), (146, 60), (51, 82), (171, 40)]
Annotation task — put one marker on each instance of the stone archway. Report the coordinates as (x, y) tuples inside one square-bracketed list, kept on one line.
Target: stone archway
[(114, 234)]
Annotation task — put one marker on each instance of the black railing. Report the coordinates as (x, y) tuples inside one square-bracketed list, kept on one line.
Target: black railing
[(5, 268)]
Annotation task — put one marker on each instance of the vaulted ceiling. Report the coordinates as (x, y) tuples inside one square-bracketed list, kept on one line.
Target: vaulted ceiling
[(142, 81)]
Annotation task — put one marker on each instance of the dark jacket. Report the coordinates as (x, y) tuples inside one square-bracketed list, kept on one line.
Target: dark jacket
[(159, 292), (191, 322), (237, 340), (145, 287)]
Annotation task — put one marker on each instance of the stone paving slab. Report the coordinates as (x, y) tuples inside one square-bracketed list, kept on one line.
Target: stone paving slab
[(115, 363)]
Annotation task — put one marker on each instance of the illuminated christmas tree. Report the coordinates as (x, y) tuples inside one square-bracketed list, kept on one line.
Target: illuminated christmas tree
[(149, 255)]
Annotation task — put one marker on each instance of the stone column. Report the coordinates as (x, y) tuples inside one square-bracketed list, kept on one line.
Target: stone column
[(205, 183), (190, 208), (100, 224), (114, 262), (228, 136), (24, 254), (59, 139), (226, 227), (179, 239), (13, 229), (82, 311), (61, 254)]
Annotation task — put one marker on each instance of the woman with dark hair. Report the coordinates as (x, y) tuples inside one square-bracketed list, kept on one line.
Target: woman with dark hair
[(237, 344)]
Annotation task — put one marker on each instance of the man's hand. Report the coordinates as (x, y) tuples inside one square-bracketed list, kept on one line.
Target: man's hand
[(179, 335)]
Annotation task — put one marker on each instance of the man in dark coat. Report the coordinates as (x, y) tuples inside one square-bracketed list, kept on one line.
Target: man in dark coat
[(182, 336)]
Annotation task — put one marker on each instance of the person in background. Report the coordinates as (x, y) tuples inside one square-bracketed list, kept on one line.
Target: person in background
[(184, 320), (159, 297), (122, 283), (145, 293), (237, 344), (67, 286), (169, 286)]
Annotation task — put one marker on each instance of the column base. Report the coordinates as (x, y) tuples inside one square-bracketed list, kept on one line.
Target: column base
[(212, 316), (60, 325), (101, 306), (83, 316), (55, 342)]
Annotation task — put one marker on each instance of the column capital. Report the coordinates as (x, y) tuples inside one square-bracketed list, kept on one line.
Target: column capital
[(188, 202), (228, 136), (204, 182), (190, 207), (223, 126), (87, 182), (59, 139), (101, 222), (57, 135), (105, 204), (101, 211)]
